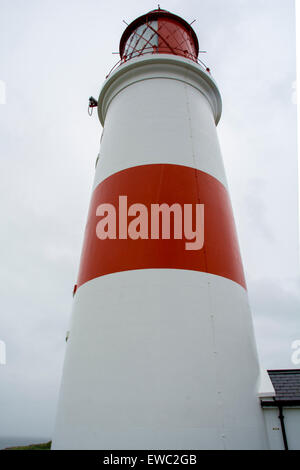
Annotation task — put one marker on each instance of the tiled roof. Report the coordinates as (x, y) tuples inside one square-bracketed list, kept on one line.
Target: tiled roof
[(286, 383)]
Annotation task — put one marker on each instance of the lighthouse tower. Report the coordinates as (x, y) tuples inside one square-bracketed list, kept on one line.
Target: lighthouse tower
[(161, 352)]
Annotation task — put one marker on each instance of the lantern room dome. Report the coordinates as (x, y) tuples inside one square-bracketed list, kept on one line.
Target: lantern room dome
[(159, 31)]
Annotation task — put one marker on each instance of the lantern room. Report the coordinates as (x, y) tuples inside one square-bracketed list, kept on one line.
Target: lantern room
[(159, 31)]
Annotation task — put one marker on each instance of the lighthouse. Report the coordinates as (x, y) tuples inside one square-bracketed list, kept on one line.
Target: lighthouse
[(161, 351)]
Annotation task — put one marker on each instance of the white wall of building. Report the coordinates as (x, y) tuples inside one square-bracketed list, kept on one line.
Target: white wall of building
[(292, 427)]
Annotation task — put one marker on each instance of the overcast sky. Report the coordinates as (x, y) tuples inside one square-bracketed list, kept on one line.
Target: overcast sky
[(54, 55)]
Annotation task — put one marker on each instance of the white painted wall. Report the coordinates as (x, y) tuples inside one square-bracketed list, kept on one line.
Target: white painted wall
[(292, 427), (142, 104), (160, 359)]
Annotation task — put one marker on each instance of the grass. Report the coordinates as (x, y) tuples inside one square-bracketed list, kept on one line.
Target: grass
[(44, 446)]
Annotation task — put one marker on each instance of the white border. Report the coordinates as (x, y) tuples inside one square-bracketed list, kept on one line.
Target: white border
[(297, 10)]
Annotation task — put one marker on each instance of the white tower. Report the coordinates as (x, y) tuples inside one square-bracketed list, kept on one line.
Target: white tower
[(161, 352)]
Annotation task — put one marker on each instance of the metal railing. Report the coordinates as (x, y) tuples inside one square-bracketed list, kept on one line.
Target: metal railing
[(153, 50)]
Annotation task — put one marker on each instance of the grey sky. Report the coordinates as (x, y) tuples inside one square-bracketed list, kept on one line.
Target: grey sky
[(54, 55)]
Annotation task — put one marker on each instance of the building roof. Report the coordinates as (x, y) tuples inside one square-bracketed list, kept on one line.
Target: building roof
[(286, 383)]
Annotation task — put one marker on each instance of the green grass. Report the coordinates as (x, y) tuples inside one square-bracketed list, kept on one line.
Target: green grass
[(44, 446)]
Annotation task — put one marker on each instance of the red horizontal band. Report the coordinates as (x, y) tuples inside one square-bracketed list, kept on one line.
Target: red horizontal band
[(158, 184)]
